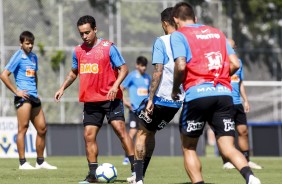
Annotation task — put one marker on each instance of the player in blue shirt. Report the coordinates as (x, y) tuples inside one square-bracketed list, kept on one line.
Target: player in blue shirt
[(239, 112), (159, 108), (24, 66), (206, 100), (137, 84)]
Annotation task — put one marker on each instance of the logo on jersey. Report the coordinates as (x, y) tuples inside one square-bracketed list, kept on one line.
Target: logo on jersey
[(105, 44), (89, 68), (207, 36), (29, 72), (194, 126), (215, 60), (144, 116), (142, 92), (235, 78), (228, 125), (162, 124)]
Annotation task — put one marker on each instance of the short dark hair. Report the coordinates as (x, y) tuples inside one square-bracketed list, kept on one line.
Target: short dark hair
[(87, 19), (141, 60), (166, 16), (183, 11), (26, 35)]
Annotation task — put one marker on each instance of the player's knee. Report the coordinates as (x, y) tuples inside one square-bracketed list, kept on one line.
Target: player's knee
[(243, 132), (42, 131)]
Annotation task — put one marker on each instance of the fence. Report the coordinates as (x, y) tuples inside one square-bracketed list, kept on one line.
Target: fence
[(133, 28)]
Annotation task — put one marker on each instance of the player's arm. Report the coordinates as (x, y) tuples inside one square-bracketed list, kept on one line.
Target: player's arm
[(244, 96), (68, 81), (179, 76), (124, 99), (234, 61), (5, 77), (118, 62), (156, 79)]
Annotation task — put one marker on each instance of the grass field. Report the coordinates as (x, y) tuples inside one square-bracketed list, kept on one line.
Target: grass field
[(162, 170)]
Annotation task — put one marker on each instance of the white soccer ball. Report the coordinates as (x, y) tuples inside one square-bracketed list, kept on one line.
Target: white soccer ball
[(106, 173)]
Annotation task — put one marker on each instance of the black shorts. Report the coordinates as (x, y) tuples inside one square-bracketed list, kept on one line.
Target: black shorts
[(161, 116), (19, 101), (239, 115), (133, 120), (95, 112), (214, 109)]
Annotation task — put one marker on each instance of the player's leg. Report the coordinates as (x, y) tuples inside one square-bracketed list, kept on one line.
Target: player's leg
[(93, 117), (192, 163), (115, 116), (38, 119), (133, 125), (243, 134), (23, 116), (224, 128)]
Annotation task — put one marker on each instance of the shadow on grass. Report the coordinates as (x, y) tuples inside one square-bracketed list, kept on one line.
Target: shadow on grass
[(121, 181)]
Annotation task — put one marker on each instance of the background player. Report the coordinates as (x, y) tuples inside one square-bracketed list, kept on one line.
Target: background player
[(101, 70), (204, 65), (137, 84), (239, 112), (24, 66), (159, 109)]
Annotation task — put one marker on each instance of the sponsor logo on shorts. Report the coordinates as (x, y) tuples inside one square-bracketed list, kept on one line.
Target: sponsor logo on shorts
[(194, 126), (162, 124), (228, 125), (144, 116)]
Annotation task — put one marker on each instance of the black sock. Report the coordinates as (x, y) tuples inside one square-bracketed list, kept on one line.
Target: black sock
[(40, 160), (138, 167), (246, 172), (200, 182), (247, 155), (146, 163), (131, 160), (92, 168), (22, 161)]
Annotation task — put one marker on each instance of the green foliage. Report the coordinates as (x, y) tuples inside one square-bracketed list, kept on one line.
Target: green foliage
[(56, 59), (104, 5), (41, 48)]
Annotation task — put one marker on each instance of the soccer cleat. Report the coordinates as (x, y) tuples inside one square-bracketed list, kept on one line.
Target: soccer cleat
[(26, 166), (132, 179), (253, 180), (45, 165), (254, 165), (140, 182), (125, 161), (90, 178), (228, 165)]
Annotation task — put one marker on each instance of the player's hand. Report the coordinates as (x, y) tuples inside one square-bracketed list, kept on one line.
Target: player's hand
[(58, 95), (175, 94), (22, 93), (246, 106), (112, 93), (149, 107)]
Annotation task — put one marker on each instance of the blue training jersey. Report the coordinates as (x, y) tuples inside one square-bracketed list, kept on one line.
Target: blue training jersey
[(162, 55), (115, 56), (236, 78), (137, 86), (180, 48), (24, 68)]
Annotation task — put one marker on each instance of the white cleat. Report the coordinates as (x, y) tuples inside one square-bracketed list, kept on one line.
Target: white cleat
[(26, 166), (44, 165), (131, 179), (253, 180), (228, 165), (254, 165), (140, 182)]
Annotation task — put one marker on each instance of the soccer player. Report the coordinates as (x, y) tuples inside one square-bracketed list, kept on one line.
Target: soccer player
[(239, 112), (137, 83), (24, 66), (203, 64), (101, 70), (159, 109)]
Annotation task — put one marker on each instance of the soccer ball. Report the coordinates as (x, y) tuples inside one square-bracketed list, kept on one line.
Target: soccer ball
[(106, 173)]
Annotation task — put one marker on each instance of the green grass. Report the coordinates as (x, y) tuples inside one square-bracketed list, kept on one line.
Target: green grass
[(162, 170)]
